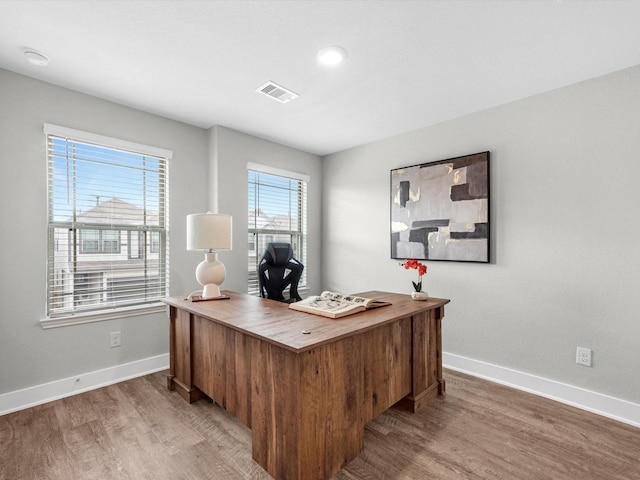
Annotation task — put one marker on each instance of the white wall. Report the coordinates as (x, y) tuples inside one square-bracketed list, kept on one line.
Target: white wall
[(565, 173)]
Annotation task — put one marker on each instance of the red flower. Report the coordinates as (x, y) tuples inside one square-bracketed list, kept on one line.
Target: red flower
[(422, 269)]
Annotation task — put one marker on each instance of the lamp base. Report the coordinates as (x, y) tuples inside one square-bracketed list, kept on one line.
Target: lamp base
[(210, 274), (198, 298), (211, 290)]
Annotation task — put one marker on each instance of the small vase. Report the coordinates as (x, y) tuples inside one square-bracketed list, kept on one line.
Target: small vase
[(419, 295)]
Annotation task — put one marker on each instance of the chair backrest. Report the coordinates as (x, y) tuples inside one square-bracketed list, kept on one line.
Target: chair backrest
[(277, 271)]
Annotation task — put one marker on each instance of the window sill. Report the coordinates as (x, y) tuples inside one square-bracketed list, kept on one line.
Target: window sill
[(53, 322)]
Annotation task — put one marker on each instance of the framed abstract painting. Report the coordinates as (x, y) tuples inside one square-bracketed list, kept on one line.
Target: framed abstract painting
[(440, 210)]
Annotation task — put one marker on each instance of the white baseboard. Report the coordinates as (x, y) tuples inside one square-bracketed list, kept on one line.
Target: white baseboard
[(611, 407), (47, 392)]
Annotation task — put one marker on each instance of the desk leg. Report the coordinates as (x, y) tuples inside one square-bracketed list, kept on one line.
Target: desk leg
[(442, 386), (427, 381), (171, 313), (180, 362)]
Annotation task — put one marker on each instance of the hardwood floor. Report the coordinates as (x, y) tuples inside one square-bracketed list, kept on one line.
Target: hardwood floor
[(139, 430)]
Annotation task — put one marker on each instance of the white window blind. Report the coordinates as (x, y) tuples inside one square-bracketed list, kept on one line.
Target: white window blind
[(277, 213), (107, 224)]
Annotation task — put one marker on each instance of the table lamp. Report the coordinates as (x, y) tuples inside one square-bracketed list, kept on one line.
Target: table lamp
[(209, 232)]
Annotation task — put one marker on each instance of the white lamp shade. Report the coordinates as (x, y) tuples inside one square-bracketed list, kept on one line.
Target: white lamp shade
[(209, 231)]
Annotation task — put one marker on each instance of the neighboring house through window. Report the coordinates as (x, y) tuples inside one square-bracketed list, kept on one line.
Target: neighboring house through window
[(107, 224), (277, 213)]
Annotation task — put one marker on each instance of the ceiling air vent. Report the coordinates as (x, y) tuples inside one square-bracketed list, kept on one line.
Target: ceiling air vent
[(277, 92)]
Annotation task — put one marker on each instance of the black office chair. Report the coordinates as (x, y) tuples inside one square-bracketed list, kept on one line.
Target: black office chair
[(277, 270)]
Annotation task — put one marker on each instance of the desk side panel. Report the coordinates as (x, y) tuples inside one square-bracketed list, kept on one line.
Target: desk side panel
[(275, 407), (427, 381), (332, 396), (222, 366), (426, 346), (387, 366), (307, 420)]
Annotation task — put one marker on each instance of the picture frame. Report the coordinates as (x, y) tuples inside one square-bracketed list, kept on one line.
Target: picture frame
[(440, 210)]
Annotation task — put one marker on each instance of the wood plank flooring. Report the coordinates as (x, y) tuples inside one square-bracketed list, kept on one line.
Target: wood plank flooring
[(139, 430)]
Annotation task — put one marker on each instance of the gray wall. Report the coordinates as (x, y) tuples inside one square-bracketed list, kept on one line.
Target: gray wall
[(565, 167), (230, 155), (31, 356)]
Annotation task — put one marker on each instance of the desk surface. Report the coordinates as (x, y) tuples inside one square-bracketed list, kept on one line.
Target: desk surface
[(275, 323)]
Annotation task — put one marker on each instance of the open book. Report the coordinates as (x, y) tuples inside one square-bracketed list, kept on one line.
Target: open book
[(336, 305)]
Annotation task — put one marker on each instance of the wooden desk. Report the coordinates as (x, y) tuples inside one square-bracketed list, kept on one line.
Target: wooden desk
[(306, 397)]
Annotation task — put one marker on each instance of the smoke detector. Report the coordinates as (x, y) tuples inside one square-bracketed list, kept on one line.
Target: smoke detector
[(277, 92), (36, 58)]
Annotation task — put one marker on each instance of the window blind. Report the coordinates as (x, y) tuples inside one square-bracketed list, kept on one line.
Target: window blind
[(277, 213), (107, 223)]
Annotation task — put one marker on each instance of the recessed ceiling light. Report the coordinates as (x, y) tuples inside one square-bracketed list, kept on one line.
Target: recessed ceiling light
[(331, 56), (36, 58)]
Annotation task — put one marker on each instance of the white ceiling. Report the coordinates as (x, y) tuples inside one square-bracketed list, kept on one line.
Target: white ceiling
[(410, 63)]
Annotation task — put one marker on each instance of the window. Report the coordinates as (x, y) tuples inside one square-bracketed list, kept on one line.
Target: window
[(107, 224), (277, 213), (135, 245), (99, 241)]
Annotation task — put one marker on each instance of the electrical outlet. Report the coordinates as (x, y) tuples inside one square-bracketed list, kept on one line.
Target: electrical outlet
[(583, 356), (116, 339)]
